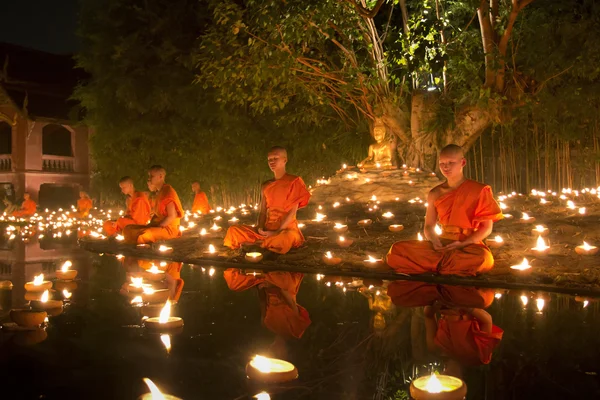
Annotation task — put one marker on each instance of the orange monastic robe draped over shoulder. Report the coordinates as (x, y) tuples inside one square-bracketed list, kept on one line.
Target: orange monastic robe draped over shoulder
[(460, 212), (281, 196), (138, 213), (84, 206), (154, 232), (28, 208), (201, 203), (280, 318)]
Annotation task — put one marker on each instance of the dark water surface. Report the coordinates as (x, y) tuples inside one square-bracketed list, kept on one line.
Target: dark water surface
[(361, 343)]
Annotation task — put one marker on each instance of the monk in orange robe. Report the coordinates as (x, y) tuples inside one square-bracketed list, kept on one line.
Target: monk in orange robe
[(28, 208), (200, 200), (416, 294), (138, 208), (84, 204), (167, 213), (281, 198), (277, 291), (466, 211)]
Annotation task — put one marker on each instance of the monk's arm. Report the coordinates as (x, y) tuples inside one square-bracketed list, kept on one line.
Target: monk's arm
[(171, 215), (484, 318), (289, 217), (289, 299), (431, 221), (262, 216), (484, 230)]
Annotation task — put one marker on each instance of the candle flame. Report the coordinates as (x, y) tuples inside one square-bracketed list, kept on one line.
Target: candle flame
[(136, 300), (164, 248), (582, 210), (211, 249), (211, 272), (339, 226), (136, 282), (120, 237), (203, 232), (371, 259), (215, 227), (148, 290), (328, 255), (254, 254), (165, 313), (320, 217), (540, 228), (341, 238), (525, 216), (156, 393), (433, 384), (65, 267), (540, 245), (154, 270), (498, 239), (523, 266), (67, 294), (44, 297), (585, 303), (387, 215), (263, 395), (166, 340), (498, 295), (419, 237), (524, 300), (38, 280), (437, 229), (540, 304), (586, 246)]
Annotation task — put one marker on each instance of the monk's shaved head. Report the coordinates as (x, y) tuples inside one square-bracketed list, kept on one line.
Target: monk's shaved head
[(126, 179), (452, 150), (278, 149), (158, 169)]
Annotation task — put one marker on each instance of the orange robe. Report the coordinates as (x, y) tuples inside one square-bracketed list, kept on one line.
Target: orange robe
[(154, 232), (461, 338), (138, 213), (281, 196), (280, 318), (28, 208), (417, 294), (460, 212), (84, 206), (201, 203)]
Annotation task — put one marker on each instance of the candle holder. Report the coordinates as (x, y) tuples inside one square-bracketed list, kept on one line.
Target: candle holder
[(540, 230), (340, 228), (67, 275), (365, 222), (495, 242), (586, 250), (396, 228), (28, 318), (154, 324), (43, 286), (329, 259), (344, 242), (253, 257), (270, 370), (438, 387)]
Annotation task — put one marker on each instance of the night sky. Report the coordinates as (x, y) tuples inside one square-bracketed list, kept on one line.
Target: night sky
[(40, 24)]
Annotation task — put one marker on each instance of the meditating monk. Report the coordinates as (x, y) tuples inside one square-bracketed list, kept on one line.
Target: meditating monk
[(466, 211), (200, 204), (167, 213), (281, 198), (138, 208), (28, 208), (84, 205)]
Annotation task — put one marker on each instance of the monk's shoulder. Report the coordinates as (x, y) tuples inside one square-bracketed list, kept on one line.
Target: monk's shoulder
[(477, 186), (436, 192), (267, 183)]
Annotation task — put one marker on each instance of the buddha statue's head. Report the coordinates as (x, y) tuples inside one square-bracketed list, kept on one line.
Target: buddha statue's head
[(379, 132)]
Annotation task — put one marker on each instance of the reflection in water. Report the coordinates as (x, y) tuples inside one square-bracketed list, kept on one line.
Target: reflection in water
[(157, 280)]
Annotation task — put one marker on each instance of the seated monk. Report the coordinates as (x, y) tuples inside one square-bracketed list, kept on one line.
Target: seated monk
[(167, 213), (466, 210), (200, 204), (28, 208), (84, 204), (138, 208), (281, 198)]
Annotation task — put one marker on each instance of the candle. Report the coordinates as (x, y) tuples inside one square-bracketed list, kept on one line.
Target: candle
[(586, 249), (387, 215), (540, 230), (155, 393), (419, 237), (523, 266), (344, 242), (38, 284), (396, 227), (65, 273), (329, 259), (336, 204), (582, 210), (270, 370), (120, 238), (365, 222), (372, 262), (319, 217), (540, 246), (570, 205), (211, 249), (215, 227), (253, 257), (154, 274), (262, 396), (438, 387), (527, 218), (233, 221), (340, 227), (165, 249), (45, 303), (164, 321), (28, 318), (496, 242)]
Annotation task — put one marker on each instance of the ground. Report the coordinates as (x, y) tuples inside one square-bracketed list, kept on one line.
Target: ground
[(561, 270)]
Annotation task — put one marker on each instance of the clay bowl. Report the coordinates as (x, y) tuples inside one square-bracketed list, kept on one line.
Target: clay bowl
[(65, 285), (257, 258), (492, 244), (6, 285), (30, 287), (30, 338), (527, 221), (418, 392), (153, 324), (364, 222), (159, 296), (46, 305), (396, 228), (288, 373), (346, 243), (28, 318), (68, 275), (579, 250), (34, 296), (341, 229), (332, 260)]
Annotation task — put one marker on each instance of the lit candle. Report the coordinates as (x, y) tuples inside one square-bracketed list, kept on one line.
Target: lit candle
[(365, 222), (233, 221), (396, 227), (203, 232), (120, 238), (164, 321), (437, 230), (496, 242), (65, 273), (524, 300), (372, 262), (267, 369), (419, 237), (215, 227), (155, 393), (165, 249), (253, 257), (38, 284), (211, 249), (340, 227), (45, 303), (570, 205), (387, 215), (586, 249), (582, 210), (540, 230), (527, 218), (329, 259), (319, 217), (524, 266), (437, 387), (540, 304), (343, 242), (540, 246)]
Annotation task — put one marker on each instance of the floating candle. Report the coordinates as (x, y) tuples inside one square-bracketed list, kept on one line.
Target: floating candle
[(344, 242), (164, 321), (586, 249), (270, 370), (329, 259), (253, 257), (38, 284), (155, 393), (438, 387)]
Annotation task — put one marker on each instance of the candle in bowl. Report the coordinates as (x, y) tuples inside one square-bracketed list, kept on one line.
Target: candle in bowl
[(396, 227), (526, 218), (65, 273), (45, 303), (253, 257), (153, 274), (524, 267), (216, 228), (233, 221), (329, 259), (495, 242), (270, 370), (165, 249), (540, 230), (387, 215), (344, 242), (434, 387), (586, 249), (540, 246), (38, 284), (372, 262), (28, 318), (155, 393), (340, 227), (151, 295), (164, 321), (365, 222), (137, 285)]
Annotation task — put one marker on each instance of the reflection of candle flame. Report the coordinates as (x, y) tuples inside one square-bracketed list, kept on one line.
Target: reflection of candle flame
[(165, 313), (524, 300), (67, 294), (44, 297), (585, 303), (156, 393), (540, 228), (262, 396), (433, 384), (166, 339), (540, 304)]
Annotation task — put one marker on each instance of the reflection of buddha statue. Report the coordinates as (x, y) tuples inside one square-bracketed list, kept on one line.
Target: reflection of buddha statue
[(380, 153)]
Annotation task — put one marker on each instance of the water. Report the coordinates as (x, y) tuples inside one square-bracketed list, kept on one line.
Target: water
[(354, 348)]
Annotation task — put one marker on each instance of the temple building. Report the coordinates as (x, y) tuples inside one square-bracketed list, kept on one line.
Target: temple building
[(43, 146)]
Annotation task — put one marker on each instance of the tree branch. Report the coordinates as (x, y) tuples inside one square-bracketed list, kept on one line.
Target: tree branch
[(365, 12)]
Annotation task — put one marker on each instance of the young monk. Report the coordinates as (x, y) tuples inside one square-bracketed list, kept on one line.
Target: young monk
[(28, 208), (200, 200), (281, 198), (138, 208), (84, 204), (167, 213), (466, 211)]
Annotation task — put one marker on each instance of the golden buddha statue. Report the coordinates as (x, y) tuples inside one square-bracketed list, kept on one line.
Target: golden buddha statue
[(380, 153)]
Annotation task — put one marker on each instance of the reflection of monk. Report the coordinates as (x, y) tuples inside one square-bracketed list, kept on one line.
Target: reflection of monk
[(167, 213), (415, 294), (466, 210), (172, 270), (138, 208), (200, 200), (28, 208), (84, 205), (281, 198), (277, 291)]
